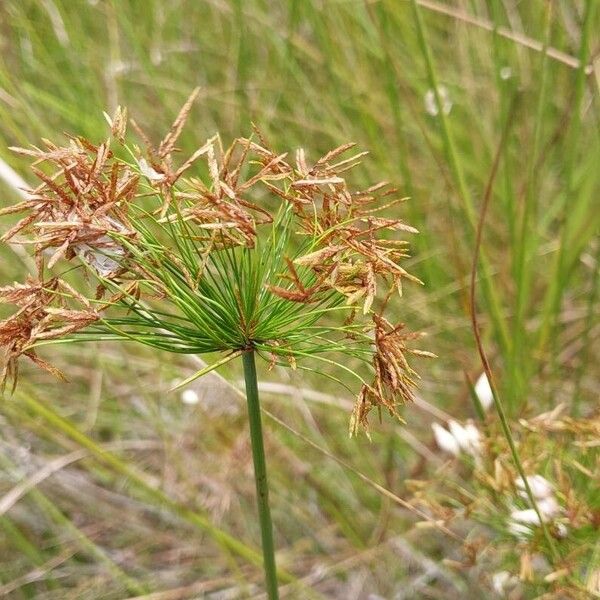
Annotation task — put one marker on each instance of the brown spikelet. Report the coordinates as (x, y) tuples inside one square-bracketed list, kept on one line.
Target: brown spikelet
[(42, 315), (118, 123), (168, 142)]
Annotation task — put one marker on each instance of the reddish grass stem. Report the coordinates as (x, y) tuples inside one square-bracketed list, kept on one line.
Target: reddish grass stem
[(499, 406)]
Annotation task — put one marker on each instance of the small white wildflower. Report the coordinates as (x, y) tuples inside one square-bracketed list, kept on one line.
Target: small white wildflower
[(445, 440), (505, 73), (459, 433), (483, 391), (502, 581), (473, 439), (549, 507), (431, 105), (519, 530), (561, 530), (148, 171), (521, 520), (540, 486), (528, 516), (190, 396), (499, 581), (467, 437)]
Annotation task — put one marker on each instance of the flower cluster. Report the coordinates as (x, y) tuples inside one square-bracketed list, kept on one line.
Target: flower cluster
[(75, 210), (42, 315), (394, 378), (255, 252), (521, 520), (458, 439), (348, 253), (525, 514)]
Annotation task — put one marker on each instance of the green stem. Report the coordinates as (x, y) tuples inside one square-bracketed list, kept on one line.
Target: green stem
[(525, 246), (585, 338), (559, 279), (452, 154), (260, 474)]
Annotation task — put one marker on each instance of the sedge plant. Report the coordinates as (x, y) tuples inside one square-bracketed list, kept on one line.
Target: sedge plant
[(251, 256)]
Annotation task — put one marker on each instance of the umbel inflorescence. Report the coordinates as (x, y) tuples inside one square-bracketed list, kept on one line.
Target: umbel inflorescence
[(252, 250)]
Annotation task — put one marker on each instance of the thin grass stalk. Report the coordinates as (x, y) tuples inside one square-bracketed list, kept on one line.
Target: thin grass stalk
[(230, 545), (558, 281), (260, 474), (227, 542), (502, 57), (585, 341), (382, 19), (498, 404), (25, 548), (451, 152), (82, 540), (528, 235)]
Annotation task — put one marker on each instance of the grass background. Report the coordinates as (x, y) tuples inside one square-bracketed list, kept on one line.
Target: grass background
[(135, 490)]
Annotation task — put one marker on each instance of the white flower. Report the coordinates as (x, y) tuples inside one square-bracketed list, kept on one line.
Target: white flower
[(431, 105), (190, 396), (527, 516), (502, 580), (445, 440), (458, 438), (540, 487), (459, 433), (467, 436), (474, 439), (548, 507), (519, 530), (483, 391), (521, 521), (148, 171), (505, 73), (561, 530)]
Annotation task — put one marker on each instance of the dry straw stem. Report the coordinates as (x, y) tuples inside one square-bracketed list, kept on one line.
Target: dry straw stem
[(515, 36)]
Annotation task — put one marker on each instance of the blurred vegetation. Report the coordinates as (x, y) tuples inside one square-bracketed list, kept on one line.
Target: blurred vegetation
[(123, 490)]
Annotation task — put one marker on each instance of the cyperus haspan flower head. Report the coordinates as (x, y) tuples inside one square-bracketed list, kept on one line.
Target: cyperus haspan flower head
[(253, 250)]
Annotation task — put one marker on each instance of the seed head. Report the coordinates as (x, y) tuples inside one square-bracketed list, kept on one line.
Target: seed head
[(263, 252)]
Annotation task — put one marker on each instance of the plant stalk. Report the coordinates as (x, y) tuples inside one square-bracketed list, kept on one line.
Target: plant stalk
[(260, 474)]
